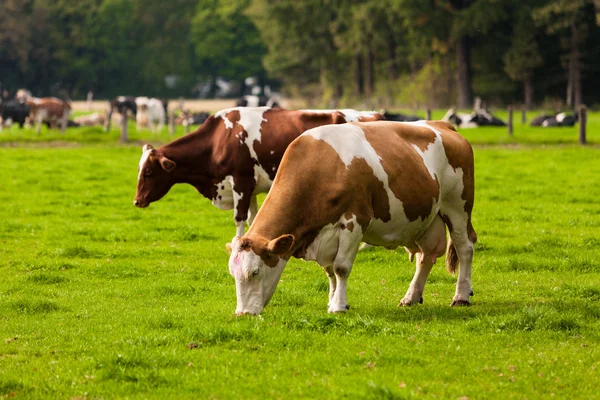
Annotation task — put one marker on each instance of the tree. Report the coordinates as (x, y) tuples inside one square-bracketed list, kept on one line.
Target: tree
[(521, 60)]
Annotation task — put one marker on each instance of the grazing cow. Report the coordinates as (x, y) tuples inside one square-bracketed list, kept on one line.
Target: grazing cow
[(151, 112), (399, 117), (560, 119), (13, 111), (477, 118), (49, 110), (123, 105), (232, 157), (388, 184)]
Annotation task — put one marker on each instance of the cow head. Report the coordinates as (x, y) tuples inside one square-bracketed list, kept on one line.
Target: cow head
[(155, 176), (256, 264)]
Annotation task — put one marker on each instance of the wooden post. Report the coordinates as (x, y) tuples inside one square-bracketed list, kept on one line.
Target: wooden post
[(428, 114), (171, 123), (124, 137), (523, 115), (582, 124), (187, 128), (107, 121), (510, 120)]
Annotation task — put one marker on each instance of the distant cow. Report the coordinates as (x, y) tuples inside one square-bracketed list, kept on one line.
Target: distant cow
[(13, 111), (150, 111), (49, 110), (560, 119), (257, 101), (476, 119), (187, 118), (123, 105), (388, 184), (232, 157), (89, 120), (398, 117)]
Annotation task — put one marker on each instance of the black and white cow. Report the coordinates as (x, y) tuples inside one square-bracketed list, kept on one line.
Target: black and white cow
[(399, 117), (123, 105), (477, 118), (257, 101), (13, 111), (560, 119)]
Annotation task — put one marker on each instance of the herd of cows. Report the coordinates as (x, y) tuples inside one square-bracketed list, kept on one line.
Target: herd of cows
[(335, 178)]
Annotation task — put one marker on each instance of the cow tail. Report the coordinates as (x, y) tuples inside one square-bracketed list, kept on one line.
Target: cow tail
[(451, 257)]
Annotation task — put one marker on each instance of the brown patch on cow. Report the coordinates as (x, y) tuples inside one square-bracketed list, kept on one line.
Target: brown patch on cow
[(442, 125), (350, 226), (370, 118), (408, 177), (233, 116)]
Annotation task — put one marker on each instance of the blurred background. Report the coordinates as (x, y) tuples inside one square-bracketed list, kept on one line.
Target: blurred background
[(370, 53)]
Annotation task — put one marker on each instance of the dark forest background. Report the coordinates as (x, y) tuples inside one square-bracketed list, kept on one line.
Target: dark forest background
[(392, 52)]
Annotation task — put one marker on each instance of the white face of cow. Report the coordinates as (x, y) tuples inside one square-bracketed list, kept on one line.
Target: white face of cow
[(256, 277)]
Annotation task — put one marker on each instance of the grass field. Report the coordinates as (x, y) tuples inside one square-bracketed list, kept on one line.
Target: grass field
[(99, 299)]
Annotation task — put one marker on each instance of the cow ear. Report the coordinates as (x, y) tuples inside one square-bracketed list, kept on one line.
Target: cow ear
[(147, 147), (281, 245), (166, 164)]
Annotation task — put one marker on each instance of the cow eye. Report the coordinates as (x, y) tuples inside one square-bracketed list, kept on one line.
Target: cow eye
[(255, 273)]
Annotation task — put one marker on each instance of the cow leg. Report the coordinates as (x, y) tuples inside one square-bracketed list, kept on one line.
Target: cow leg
[(252, 210), (241, 205), (432, 244), (342, 265), (63, 123), (332, 282), (38, 125)]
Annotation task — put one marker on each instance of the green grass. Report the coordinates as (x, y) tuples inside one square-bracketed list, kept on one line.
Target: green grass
[(99, 299)]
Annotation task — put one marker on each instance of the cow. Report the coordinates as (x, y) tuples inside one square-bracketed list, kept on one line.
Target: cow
[(90, 120), (398, 117), (13, 111), (187, 118), (385, 183), (150, 112), (232, 157), (258, 101), (123, 105), (560, 119), (49, 110), (479, 117)]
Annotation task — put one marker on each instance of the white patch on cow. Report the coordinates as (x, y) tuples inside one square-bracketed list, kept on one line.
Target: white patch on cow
[(143, 160), (121, 99), (350, 115), (560, 117), (272, 151), (225, 196)]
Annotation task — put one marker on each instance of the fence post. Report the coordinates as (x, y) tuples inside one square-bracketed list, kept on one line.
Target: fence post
[(523, 115), (582, 123), (428, 114), (171, 123), (124, 137), (510, 120), (187, 128)]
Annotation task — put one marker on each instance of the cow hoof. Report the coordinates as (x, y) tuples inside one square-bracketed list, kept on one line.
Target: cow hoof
[(471, 294), (460, 303), (406, 302), (337, 309), (347, 306)]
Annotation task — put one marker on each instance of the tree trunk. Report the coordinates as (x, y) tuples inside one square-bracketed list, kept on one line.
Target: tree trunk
[(576, 60), (359, 85), (570, 81), (528, 88), (463, 72), (393, 64), (369, 74)]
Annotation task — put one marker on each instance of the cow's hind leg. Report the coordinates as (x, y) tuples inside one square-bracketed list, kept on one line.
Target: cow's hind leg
[(332, 282), (432, 245), (460, 251), (342, 265)]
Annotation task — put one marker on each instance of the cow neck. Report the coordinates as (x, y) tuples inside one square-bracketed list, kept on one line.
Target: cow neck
[(275, 219), (193, 154)]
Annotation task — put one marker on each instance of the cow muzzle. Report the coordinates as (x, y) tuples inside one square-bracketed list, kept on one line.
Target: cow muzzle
[(139, 203)]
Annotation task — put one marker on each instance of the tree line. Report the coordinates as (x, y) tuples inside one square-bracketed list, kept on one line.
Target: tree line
[(409, 52)]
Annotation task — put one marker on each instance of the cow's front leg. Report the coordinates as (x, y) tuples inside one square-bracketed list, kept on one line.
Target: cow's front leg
[(241, 205), (252, 210), (342, 265)]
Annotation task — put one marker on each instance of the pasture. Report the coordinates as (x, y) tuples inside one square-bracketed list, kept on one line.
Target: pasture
[(99, 299)]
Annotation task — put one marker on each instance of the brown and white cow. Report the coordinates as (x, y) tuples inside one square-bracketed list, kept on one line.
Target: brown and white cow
[(385, 183), (49, 110), (232, 157)]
